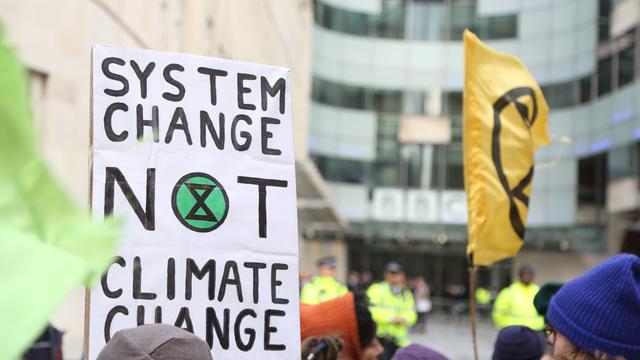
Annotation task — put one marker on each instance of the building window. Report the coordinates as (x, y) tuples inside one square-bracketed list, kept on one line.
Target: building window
[(463, 17), (390, 22), (387, 151), (324, 92), (356, 97), (604, 76), (389, 101), (455, 173), (425, 21), (452, 103), (561, 94), (626, 60), (352, 97), (456, 129), (386, 173), (623, 161), (585, 89), (343, 170), (604, 14), (413, 102), (412, 158), (356, 23), (332, 17), (592, 180), (502, 27), (447, 169), (387, 137)]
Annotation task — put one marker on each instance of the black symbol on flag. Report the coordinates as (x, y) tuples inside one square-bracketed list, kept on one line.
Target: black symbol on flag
[(528, 116)]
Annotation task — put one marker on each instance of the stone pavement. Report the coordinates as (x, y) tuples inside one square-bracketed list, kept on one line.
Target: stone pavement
[(453, 337)]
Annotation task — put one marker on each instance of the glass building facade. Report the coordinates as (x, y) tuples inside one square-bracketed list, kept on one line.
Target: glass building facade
[(376, 62)]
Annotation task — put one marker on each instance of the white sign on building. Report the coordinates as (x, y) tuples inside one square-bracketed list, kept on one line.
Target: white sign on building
[(388, 204), (422, 206), (195, 156), (453, 205)]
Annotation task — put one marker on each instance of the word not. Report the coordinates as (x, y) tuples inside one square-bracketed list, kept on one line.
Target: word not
[(147, 215)]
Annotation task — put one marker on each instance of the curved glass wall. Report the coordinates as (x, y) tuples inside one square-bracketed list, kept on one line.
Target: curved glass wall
[(416, 20), (381, 100)]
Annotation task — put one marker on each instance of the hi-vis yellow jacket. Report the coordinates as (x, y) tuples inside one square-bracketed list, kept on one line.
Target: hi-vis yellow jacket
[(321, 289), (514, 306), (385, 307)]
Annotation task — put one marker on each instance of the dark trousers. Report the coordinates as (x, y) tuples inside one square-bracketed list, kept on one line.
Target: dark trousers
[(390, 348)]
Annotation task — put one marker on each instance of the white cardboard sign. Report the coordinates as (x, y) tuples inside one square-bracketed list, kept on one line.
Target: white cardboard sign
[(195, 155)]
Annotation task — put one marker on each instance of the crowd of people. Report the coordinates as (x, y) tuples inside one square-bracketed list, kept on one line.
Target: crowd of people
[(596, 316)]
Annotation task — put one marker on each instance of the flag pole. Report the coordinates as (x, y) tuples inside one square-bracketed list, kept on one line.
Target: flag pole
[(472, 305)]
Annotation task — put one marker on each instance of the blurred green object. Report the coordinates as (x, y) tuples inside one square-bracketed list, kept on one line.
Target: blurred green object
[(48, 246), (543, 297), (483, 296)]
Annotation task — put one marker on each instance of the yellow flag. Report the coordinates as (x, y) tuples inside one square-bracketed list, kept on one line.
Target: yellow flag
[(505, 121)]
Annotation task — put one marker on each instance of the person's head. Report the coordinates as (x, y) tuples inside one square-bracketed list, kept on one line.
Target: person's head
[(327, 266), (353, 277), (165, 342), (518, 342), (583, 355), (47, 346), (598, 312), (371, 347), (366, 277), (394, 274), (348, 318), (417, 352), (325, 348), (543, 297), (526, 274), (304, 276), (631, 242)]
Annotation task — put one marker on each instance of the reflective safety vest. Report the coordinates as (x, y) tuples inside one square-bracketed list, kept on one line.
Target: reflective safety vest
[(385, 306), (514, 306), (321, 289)]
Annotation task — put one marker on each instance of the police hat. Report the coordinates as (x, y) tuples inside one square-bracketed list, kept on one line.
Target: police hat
[(328, 261), (526, 269), (393, 267)]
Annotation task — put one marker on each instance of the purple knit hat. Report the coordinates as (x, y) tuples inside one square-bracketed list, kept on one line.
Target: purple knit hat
[(518, 343), (418, 352), (600, 310)]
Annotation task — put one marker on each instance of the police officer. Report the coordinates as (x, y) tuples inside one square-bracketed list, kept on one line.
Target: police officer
[(514, 304), (393, 309), (324, 286)]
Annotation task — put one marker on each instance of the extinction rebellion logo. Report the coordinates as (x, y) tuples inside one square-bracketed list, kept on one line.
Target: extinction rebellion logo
[(200, 202), (528, 115)]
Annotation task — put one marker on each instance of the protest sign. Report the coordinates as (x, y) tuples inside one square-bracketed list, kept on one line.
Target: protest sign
[(195, 154)]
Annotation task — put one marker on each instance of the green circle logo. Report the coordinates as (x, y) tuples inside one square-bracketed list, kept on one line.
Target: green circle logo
[(200, 202)]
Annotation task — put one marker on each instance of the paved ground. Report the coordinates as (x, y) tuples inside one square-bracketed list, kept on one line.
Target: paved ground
[(453, 338)]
